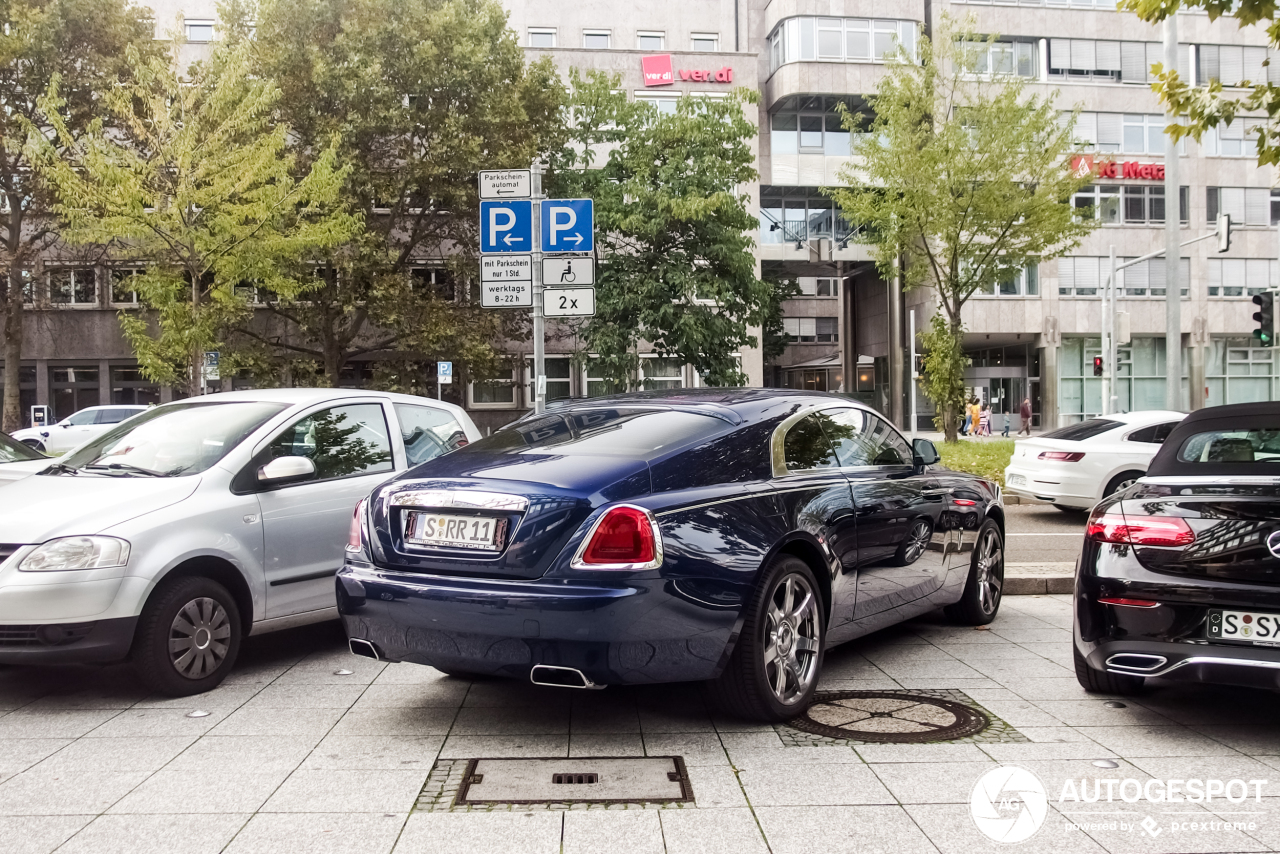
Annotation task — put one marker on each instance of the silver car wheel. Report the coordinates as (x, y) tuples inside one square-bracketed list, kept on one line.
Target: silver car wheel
[(199, 638), (791, 639), (990, 571), (917, 541)]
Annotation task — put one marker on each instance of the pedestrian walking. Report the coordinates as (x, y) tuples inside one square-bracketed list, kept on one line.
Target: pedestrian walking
[(1005, 434), (984, 421), (1025, 412)]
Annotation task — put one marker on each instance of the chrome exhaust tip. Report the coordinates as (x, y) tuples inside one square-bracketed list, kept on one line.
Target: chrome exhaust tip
[(1136, 662), (561, 677), (365, 649)]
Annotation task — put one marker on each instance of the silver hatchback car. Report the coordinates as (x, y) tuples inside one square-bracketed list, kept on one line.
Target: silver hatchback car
[(174, 535)]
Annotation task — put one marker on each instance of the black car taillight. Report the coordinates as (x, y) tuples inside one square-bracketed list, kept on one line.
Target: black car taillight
[(1110, 526)]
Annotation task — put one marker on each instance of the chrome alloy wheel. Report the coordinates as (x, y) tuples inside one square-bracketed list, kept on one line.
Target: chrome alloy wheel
[(990, 571), (917, 541), (199, 638), (791, 639)]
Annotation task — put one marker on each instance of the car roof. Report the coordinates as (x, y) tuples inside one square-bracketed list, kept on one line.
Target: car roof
[(1235, 410), (308, 396), (733, 404), (1147, 416)]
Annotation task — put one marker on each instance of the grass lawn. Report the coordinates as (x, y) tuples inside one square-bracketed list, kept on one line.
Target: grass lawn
[(985, 457)]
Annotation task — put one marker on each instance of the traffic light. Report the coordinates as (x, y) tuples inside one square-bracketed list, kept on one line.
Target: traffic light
[(1224, 232), (1266, 318), (1097, 366)]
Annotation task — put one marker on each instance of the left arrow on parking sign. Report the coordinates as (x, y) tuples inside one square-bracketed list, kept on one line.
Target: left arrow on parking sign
[(506, 226)]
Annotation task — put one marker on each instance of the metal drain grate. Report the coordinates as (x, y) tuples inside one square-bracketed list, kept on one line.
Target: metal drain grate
[(889, 717), (594, 780)]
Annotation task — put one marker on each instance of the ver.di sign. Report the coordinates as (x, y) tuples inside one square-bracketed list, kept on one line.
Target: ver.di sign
[(657, 70)]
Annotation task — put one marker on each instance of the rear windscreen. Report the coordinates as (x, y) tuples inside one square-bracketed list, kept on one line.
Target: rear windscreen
[(613, 431), (1260, 446), (1083, 430)]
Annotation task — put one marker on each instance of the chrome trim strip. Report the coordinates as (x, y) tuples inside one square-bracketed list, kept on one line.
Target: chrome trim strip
[(275, 624), (459, 498), (1209, 659), (577, 563), (1209, 480), (742, 497)]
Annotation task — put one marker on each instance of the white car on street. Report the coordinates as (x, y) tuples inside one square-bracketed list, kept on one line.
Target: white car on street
[(18, 461), (75, 430), (174, 535), (1077, 466)]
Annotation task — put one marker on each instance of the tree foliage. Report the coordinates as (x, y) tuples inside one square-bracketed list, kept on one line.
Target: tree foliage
[(1207, 105), (960, 181), (420, 95), (193, 176), (81, 43), (672, 227)]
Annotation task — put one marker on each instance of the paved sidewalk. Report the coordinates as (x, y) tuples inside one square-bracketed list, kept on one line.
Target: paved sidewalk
[(295, 758)]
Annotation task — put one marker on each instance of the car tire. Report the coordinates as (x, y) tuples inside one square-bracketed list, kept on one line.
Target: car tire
[(188, 637), (1101, 682), (34, 445), (983, 589), (1120, 481), (773, 672), (915, 543)]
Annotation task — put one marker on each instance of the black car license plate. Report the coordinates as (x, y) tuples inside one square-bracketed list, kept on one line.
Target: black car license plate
[(1243, 627)]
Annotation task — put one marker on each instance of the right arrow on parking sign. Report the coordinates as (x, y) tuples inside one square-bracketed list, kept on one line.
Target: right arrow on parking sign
[(568, 225)]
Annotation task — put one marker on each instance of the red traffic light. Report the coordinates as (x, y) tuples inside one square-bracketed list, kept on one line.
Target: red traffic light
[(1097, 366)]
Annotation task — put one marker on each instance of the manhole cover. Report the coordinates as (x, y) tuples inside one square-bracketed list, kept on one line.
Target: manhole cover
[(890, 717), (589, 780)]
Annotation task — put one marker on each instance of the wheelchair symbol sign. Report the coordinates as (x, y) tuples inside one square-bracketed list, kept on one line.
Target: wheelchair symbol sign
[(568, 271)]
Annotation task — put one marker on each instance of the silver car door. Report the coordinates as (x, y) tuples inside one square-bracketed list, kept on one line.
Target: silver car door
[(305, 525)]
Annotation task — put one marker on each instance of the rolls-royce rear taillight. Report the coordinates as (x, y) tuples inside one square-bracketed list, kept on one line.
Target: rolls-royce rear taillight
[(355, 537), (625, 537)]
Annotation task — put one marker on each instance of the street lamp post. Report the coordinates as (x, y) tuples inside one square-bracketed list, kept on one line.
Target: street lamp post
[(1172, 255)]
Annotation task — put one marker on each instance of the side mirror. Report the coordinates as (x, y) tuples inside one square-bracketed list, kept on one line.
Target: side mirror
[(284, 470), (926, 453)]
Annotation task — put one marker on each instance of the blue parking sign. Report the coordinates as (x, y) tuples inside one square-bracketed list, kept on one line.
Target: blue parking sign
[(506, 226), (568, 225)]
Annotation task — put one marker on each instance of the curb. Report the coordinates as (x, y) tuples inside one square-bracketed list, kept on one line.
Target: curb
[(1028, 585)]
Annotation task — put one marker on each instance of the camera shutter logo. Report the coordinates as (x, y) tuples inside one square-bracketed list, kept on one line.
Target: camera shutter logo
[(1273, 543), (1009, 804)]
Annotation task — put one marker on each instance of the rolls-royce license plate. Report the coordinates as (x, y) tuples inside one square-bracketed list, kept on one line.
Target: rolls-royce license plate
[(441, 530)]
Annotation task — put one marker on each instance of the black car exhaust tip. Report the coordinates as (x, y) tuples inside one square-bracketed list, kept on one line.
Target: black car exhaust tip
[(366, 649), (561, 677)]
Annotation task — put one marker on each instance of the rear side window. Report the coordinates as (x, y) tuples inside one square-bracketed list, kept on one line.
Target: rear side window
[(611, 431), (341, 441), (83, 417), (862, 439), (1083, 430), (1153, 435), (809, 443), (115, 416), (1260, 447), (428, 432)]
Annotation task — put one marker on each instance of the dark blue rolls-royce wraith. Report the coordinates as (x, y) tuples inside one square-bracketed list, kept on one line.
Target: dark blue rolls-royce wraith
[(721, 535)]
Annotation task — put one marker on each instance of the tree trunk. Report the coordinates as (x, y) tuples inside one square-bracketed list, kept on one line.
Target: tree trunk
[(12, 412)]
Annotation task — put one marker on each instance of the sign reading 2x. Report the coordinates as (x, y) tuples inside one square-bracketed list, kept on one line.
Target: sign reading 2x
[(568, 225)]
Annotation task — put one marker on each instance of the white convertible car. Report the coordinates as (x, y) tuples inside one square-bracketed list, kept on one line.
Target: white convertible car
[(1077, 466)]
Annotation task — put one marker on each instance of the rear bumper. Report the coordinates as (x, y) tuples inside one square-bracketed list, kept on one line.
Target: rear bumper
[(635, 630), (1215, 664), (1050, 483), (90, 642)]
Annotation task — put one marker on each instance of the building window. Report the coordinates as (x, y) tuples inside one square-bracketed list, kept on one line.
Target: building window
[(436, 281), (199, 32), (1145, 204), (812, 330), (1109, 61), (1237, 139), (123, 289), (1100, 202), (839, 40), (1246, 205), (704, 42), (1004, 57), (812, 124), (658, 373), (130, 386), (496, 393), (1232, 65), (543, 37), (72, 387), (796, 219), (1127, 133), (73, 287), (1241, 277), (1025, 283), (598, 386), (648, 40), (1085, 276), (559, 374), (1238, 371), (818, 287), (665, 104), (595, 39)]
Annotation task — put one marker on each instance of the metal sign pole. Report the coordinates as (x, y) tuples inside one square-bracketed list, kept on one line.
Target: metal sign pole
[(539, 324)]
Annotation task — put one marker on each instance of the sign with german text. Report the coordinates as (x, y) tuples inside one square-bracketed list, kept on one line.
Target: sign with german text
[(506, 184)]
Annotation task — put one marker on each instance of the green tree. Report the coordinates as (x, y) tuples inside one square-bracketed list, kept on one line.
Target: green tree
[(1208, 105), (194, 177), (672, 227), (773, 337), (82, 43), (420, 94), (961, 180)]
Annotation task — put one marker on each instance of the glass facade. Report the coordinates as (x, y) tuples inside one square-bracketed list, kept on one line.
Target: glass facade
[(839, 40), (1140, 383)]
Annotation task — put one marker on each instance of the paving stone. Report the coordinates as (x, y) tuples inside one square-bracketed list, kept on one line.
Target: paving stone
[(180, 791), (374, 752), (933, 783), (441, 693), (875, 753), (305, 696), (79, 792), (264, 720), (723, 831), (716, 787), (116, 754), (608, 744), (813, 785), (842, 830), (1138, 741), (504, 746), (39, 834), (333, 790), (318, 833), (155, 834), (395, 721), (951, 828), (234, 754), (53, 723), (158, 722), (629, 832), (510, 721), (696, 748), (482, 833)]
